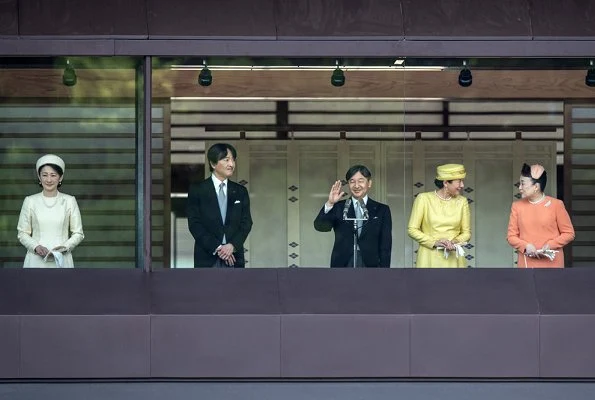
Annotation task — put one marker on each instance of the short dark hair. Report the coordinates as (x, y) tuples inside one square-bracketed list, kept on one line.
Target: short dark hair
[(358, 168), (53, 166), (526, 172), (218, 152), (440, 184)]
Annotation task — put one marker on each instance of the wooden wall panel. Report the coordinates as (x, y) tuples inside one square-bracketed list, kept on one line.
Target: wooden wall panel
[(503, 84)]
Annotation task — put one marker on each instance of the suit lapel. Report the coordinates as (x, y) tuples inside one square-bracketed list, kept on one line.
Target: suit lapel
[(371, 206), (231, 197), (351, 211), (211, 193)]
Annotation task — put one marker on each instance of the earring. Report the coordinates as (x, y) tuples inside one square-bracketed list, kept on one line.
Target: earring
[(59, 183), (39, 182)]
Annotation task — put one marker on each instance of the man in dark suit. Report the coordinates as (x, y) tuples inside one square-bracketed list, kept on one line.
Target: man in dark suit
[(219, 213), (374, 235)]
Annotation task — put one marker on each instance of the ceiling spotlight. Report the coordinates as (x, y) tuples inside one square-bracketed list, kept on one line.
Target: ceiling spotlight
[(69, 76), (338, 77), (205, 78), (590, 78), (465, 77)]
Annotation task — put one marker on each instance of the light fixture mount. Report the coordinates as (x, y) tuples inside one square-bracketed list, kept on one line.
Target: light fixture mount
[(465, 76), (204, 77), (69, 77), (338, 76)]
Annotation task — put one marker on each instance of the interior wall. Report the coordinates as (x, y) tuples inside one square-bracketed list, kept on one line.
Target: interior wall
[(289, 182)]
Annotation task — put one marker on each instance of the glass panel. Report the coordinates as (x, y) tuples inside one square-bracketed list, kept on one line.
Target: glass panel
[(494, 115), (90, 124), (586, 128), (580, 112), (583, 144), (400, 120), (296, 108)]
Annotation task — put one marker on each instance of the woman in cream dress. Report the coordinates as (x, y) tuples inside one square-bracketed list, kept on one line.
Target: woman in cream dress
[(50, 221), (441, 221)]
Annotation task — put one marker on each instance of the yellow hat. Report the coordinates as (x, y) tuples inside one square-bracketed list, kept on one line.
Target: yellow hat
[(450, 172)]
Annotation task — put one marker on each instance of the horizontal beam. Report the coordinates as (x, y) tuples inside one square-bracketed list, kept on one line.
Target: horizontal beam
[(26, 83), (310, 47)]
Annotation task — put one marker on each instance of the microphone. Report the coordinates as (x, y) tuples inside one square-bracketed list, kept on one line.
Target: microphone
[(346, 208), (364, 209)]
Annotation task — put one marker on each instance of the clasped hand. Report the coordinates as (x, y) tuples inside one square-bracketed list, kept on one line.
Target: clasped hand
[(225, 252), (447, 244), (532, 252), (43, 251)]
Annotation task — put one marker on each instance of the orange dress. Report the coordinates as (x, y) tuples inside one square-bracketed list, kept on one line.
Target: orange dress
[(546, 222)]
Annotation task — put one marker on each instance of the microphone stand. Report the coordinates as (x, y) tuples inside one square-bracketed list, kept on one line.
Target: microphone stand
[(355, 230)]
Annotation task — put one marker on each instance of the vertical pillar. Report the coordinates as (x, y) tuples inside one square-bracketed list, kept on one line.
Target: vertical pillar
[(143, 162)]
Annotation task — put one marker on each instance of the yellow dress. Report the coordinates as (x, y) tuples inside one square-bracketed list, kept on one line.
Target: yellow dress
[(433, 219)]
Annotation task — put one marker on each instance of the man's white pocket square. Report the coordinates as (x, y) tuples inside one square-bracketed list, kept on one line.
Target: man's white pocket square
[(236, 202)]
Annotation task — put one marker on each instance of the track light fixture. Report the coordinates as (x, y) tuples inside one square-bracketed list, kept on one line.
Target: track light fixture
[(338, 77), (465, 77), (590, 78), (205, 78), (69, 75)]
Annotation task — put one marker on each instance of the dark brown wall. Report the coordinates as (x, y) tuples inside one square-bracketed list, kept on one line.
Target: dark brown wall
[(283, 27)]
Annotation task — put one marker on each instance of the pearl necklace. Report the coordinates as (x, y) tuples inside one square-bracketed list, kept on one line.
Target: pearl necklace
[(538, 201), (46, 204), (442, 198)]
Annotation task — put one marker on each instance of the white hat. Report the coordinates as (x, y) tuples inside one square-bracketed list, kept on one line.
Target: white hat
[(49, 159)]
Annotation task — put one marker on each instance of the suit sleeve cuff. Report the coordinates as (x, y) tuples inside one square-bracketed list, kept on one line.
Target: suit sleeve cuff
[(217, 249)]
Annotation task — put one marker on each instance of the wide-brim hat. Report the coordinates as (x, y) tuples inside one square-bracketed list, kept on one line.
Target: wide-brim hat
[(450, 172), (50, 159)]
